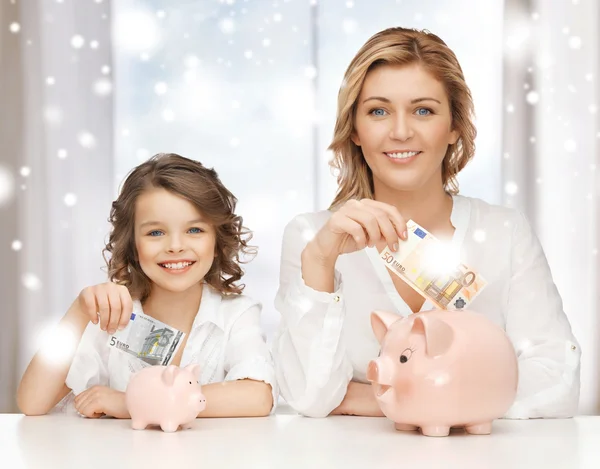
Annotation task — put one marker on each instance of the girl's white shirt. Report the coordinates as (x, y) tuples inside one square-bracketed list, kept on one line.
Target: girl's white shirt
[(325, 339), (226, 340)]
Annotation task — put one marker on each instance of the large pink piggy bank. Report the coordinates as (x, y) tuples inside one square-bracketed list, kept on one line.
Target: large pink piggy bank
[(442, 369), (168, 396)]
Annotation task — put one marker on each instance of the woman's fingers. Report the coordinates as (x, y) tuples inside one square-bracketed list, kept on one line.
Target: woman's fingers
[(393, 214), (353, 229)]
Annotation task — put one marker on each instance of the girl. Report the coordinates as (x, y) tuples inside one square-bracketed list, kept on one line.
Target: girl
[(404, 130), (174, 255)]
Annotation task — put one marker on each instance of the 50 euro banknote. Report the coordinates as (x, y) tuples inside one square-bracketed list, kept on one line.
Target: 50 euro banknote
[(150, 340), (433, 270)]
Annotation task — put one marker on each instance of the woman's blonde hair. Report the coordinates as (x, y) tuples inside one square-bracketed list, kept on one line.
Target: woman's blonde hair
[(400, 46), (203, 188)]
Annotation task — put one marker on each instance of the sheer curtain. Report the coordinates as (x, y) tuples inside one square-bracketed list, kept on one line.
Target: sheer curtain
[(551, 144), (57, 122)]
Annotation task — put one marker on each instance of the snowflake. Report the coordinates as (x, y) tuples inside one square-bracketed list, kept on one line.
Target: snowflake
[(266, 42), (14, 28), (160, 14), (234, 142), (248, 54), (62, 153), (102, 87), (86, 139), (70, 199), (308, 234), (105, 70), (510, 108), (94, 44), (31, 281), (53, 115), (25, 171), (277, 17), (511, 188), (160, 88), (50, 81), (7, 185), (168, 115), (235, 104), (77, 41), (310, 72), (227, 26), (532, 97), (349, 26), (570, 146), (142, 154), (575, 42), (16, 245), (479, 236)]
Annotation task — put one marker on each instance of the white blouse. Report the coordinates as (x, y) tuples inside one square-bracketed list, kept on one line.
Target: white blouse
[(325, 339), (226, 340)]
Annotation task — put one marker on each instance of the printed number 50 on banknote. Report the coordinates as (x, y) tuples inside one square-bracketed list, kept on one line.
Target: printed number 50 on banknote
[(430, 268), (152, 341)]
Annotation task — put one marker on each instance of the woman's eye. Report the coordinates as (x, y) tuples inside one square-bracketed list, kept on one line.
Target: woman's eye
[(155, 233), (377, 112), (196, 230), (423, 111)]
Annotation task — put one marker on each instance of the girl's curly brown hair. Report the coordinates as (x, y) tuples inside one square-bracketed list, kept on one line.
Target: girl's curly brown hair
[(203, 188)]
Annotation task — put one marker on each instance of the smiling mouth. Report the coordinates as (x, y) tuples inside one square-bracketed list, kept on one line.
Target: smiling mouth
[(177, 265), (402, 155), (382, 389)]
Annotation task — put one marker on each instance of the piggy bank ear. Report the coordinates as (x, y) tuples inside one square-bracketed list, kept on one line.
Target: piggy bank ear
[(381, 322), (169, 374), (195, 370), (438, 334)]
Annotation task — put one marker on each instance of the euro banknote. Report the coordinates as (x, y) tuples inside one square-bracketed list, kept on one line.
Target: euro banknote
[(148, 339), (433, 269)]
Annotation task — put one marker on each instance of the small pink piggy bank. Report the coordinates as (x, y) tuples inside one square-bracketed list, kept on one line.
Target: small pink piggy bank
[(442, 369), (168, 396)]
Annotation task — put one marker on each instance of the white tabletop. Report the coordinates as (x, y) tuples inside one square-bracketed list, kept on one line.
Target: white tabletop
[(290, 441)]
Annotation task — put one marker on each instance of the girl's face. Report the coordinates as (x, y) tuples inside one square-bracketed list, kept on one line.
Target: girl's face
[(175, 243), (404, 126)]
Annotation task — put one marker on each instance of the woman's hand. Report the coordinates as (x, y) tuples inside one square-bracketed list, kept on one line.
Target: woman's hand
[(107, 303), (101, 400), (356, 225)]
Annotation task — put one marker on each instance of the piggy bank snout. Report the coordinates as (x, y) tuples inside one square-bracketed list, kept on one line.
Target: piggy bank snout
[(373, 371)]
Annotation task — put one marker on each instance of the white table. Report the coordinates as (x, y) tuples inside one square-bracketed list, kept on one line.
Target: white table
[(290, 441)]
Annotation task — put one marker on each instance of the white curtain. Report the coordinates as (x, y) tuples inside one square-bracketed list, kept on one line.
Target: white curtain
[(551, 145), (57, 120)]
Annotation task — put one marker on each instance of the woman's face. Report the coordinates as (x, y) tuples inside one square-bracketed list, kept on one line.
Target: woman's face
[(403, 124)]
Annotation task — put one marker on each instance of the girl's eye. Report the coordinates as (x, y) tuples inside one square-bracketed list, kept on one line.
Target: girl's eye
[(196, 230), (155, 233), (378, 112), (423, 111)]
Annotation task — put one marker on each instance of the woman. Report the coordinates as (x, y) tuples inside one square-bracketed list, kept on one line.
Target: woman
[(404, 130)]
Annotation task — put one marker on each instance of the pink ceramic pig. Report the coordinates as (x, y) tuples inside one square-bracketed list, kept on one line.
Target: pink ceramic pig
[(168, 396), (442, 369)]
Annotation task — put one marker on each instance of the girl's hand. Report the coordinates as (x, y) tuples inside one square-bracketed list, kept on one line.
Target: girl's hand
[(356, 225), (102, 400), (107, 303)]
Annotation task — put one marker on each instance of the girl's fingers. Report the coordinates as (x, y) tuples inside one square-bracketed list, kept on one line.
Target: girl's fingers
[(114, 300), (103, 308), (88, 303), (126, 307)]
